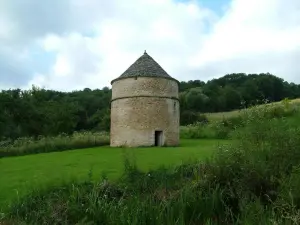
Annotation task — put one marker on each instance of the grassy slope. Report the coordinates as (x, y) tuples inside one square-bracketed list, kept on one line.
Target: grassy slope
[(220, 115), (18, 174)]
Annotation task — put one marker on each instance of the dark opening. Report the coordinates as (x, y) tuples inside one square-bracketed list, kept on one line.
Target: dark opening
[(158, 138)]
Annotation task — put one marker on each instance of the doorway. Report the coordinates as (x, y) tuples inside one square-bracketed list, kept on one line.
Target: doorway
[(158, 138)]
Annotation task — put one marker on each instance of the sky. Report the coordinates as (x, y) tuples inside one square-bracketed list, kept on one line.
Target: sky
[(74, 44)]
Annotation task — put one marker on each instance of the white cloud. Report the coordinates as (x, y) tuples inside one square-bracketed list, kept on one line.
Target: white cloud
[(254, 36), (93, 62), (98, 40)]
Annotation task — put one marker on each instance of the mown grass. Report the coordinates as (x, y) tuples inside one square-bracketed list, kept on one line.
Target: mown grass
[(20, 174)]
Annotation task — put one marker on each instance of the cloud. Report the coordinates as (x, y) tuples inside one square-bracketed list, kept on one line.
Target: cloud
[(92, 42), (21, 23), (253, 37), (118, 41), (77, 61)]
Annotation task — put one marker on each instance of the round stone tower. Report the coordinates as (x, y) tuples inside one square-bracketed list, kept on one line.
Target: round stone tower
[(144, 106)]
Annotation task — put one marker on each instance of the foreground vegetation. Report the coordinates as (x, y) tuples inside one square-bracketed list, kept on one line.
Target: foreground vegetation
[(21, 174), (252, 179)]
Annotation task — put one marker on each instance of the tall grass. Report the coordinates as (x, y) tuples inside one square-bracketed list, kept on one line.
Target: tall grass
[(223, 127), (235, 113), (253, 180), (211, 130), (24, 146)]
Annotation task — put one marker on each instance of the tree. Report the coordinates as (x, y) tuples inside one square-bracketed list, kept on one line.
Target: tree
[(195, 99), (39, 111)]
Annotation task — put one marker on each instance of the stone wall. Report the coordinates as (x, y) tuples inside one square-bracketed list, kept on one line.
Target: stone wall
[(135, 119), (144, 86)]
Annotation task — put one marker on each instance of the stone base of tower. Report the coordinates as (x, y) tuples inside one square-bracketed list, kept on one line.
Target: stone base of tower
[(133, 138), (144, 121)]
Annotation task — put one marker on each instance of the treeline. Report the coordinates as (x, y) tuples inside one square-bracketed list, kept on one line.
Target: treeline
[(235, 91), (43, 112)]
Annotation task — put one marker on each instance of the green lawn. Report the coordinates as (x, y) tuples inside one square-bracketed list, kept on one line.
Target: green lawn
[(19, 174)]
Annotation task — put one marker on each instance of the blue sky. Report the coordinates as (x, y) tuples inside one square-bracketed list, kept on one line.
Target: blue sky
[(89, 43)]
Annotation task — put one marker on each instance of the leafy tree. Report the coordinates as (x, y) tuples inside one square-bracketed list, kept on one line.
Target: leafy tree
[(39, 111), (195, 99)]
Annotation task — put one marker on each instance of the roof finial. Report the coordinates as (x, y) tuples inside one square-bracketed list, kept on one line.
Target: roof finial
[(145, 52)]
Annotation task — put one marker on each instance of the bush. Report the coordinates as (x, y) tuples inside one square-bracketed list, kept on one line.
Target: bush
[(25, 146), (213, 130), (190, 117)]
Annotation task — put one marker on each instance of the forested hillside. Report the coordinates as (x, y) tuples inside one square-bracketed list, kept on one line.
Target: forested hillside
[(48, 112)]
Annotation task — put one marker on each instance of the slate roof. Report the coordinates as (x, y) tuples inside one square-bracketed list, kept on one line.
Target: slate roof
[(144, 66)]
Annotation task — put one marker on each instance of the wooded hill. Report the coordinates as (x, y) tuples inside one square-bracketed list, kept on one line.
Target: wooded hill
[(48, 112)]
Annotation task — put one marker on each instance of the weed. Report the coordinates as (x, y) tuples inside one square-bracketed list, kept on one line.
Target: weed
[(25, 146)]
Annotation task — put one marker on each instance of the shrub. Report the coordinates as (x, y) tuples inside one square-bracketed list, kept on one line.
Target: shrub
[(196, 131), (190, 117), (213, 130)]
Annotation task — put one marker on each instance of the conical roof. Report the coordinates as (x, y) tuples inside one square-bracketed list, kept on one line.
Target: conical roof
[(145, 66)]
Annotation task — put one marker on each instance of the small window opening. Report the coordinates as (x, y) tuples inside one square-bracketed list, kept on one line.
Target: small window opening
[(174, 108), (158, 138)]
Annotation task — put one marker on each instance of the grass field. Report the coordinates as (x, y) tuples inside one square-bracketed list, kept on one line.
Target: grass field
[(253, 179), (20, 174)]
